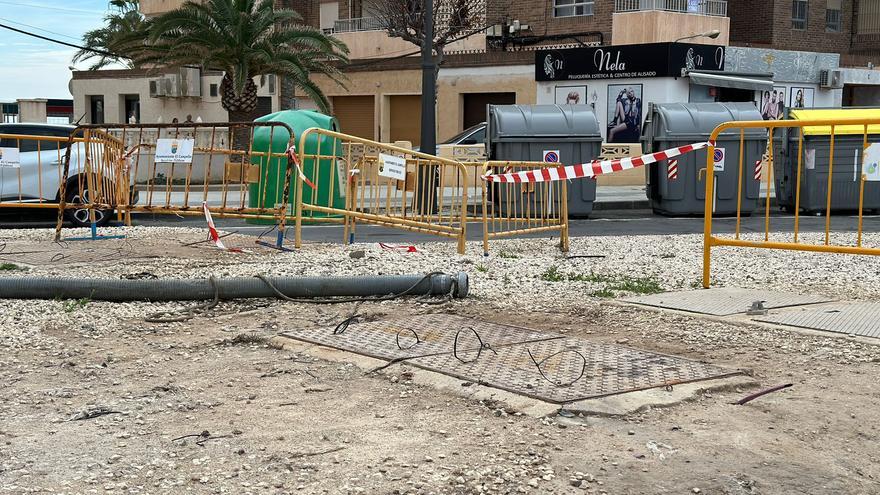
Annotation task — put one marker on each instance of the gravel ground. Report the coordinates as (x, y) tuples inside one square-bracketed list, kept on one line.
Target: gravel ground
[(282, 421)]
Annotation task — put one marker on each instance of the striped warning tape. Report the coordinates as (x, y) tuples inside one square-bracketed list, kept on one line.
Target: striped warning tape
[(672, 170), (758, 166), (291, 153), (594, 168)]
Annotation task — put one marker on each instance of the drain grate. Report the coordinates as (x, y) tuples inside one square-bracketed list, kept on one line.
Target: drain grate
[(724, 301), (435, 333), (853, 319), (571, 369), (606, 369)]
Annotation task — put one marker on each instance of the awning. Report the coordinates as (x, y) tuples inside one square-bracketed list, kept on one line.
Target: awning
[(751, 81)]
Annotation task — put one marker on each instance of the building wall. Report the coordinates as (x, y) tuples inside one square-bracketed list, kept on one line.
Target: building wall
[(655, 26), (452, 84), (538, 14), (114, 85), (751, 22)]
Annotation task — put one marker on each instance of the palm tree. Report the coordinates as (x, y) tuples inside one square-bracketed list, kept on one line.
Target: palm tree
[(246, 39), (121, 41)]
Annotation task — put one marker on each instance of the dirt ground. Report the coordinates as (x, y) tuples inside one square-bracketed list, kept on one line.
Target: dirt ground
[(278, 420)]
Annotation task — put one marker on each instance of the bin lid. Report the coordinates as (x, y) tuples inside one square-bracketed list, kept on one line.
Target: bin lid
[(837, 113), (675, 121), (522, 122)]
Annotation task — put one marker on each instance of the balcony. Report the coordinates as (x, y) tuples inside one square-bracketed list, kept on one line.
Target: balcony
[(358, 24), (659, 21), (717, 8)]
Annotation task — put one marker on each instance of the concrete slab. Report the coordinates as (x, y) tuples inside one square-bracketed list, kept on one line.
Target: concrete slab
[(635, 402), (724, 301), (862, 319)]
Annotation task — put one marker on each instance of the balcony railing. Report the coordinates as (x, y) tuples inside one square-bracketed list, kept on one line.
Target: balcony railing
[(699, 7), (358, 24)]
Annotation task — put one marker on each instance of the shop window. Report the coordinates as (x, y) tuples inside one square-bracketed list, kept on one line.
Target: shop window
[(799, 14), (570, 8)]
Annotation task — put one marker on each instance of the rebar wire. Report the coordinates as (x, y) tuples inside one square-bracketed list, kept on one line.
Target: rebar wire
[(397, 339), (483, 345), (559, 383)]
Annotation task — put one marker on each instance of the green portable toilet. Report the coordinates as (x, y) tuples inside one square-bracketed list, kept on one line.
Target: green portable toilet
[(326, 174)]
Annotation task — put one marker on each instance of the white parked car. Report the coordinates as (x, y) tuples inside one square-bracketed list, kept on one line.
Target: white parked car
[(39, 177)]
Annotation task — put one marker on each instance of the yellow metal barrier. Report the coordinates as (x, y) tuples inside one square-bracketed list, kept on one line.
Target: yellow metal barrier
[(355, 179), (514, 209), (199, 163), (833, 127), (35, 180)]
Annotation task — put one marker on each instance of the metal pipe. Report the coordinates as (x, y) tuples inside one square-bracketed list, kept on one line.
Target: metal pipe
[(231, 288)]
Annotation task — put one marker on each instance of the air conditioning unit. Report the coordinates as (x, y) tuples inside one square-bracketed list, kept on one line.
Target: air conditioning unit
[(830, 79), (157, 88), (190, 82), (172, 85)]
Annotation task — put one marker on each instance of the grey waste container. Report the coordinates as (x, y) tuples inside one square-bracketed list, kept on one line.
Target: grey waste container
[(670, 125), (815, 160), (525, 132)]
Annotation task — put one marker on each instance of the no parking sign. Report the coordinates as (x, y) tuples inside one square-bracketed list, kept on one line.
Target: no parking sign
[(718, 158), (551, 156)]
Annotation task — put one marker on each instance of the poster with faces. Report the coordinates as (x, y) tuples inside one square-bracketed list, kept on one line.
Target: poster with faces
[(801, 98), (571, 95)]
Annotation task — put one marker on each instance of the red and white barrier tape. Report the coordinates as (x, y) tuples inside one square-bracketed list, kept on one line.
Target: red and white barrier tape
[(672, 170), (215, 237), (291, 153), (404, 248), (758, 170), (592, 169)]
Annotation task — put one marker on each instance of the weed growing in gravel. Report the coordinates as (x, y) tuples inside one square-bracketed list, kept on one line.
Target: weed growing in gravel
[(10, 267), (482, 269), (510, 256), (75, 304), (552, 274), (613, 283)]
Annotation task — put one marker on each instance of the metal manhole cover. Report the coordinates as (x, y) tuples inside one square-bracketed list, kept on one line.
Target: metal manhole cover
[(604, 369), (436, 335), (852, 319), (724, 301)]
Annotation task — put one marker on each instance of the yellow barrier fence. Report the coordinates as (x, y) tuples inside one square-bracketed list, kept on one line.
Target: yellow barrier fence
[(31, 171), (515, 209), (351, 180), (812, 147), (175, 168)]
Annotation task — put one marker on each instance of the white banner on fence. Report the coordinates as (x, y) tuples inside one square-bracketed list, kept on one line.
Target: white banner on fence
[(393, 167), (10, 158), (174, 150)]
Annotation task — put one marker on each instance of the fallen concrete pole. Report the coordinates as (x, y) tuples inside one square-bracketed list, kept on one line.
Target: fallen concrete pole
[(432, 284)]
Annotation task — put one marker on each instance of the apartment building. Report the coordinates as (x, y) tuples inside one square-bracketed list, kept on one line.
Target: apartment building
[(806, 52)]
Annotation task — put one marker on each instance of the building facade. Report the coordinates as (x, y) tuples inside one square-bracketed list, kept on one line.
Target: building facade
[(822, 50)]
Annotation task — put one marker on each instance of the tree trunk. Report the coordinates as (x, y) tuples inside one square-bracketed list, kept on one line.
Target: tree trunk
[(242, 108)]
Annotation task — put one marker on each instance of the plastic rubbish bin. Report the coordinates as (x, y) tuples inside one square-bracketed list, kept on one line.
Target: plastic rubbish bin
[(276, 139), (528, 132), (815, 154), (683, 193)]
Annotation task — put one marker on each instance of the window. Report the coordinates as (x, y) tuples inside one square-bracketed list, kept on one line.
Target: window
[(213, 90), (569, 8), (799, 14), (832, 16)]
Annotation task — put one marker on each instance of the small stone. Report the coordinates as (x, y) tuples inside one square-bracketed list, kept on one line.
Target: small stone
[(356, 255), (533, 483), (630, 432), (696, 490)]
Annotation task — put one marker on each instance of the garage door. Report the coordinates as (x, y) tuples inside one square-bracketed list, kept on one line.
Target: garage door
[(475, 105), (406, 118), (356, 115)]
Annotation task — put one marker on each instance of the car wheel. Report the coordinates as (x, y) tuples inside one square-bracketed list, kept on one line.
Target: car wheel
[(80, 217)]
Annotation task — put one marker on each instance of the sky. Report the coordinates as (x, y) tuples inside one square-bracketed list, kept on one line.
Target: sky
[(34, 68)]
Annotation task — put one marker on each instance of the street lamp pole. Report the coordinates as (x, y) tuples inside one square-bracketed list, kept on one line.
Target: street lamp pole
[(429, 97)]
